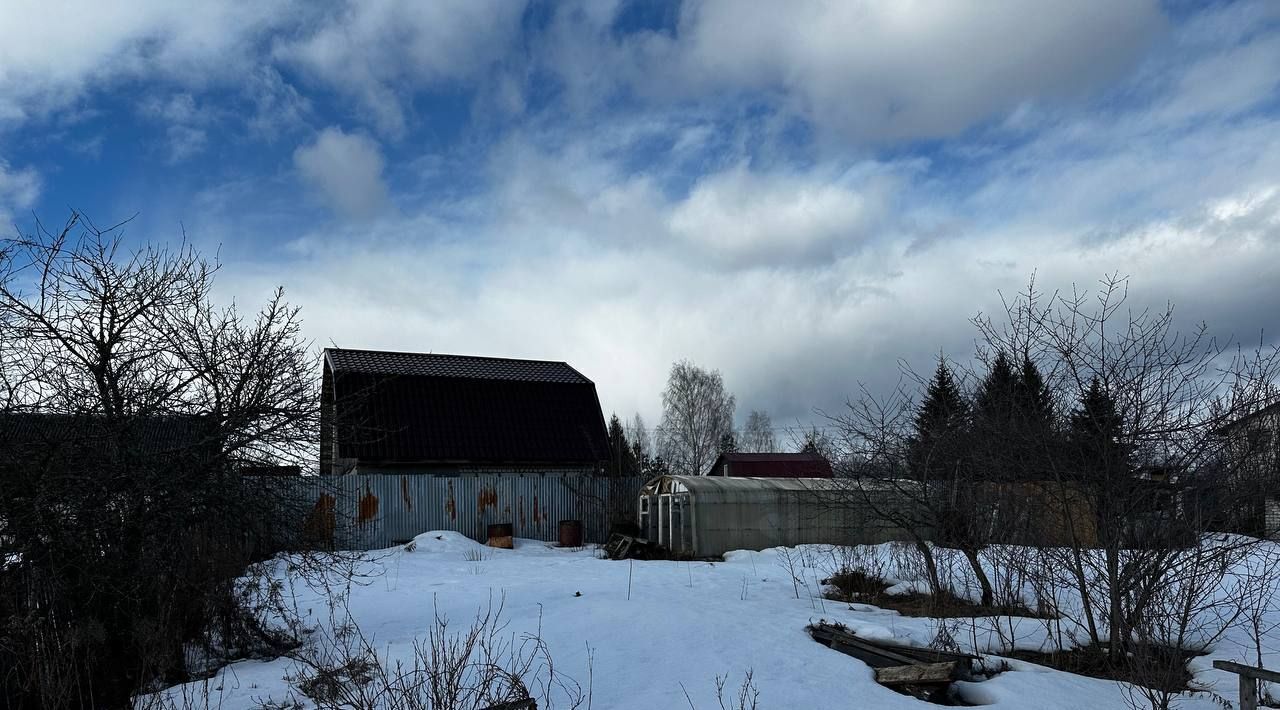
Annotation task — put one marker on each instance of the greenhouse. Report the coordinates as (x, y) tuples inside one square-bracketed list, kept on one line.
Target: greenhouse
[(706, 516)]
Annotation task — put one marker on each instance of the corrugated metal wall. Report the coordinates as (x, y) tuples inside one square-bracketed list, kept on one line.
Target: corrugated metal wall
[(373, 511)]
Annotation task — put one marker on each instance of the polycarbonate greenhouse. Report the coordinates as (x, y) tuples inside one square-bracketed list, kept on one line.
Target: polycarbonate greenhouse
[(706, 516)]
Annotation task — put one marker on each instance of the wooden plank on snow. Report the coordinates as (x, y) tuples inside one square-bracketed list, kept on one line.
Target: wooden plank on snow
[(916, 673)]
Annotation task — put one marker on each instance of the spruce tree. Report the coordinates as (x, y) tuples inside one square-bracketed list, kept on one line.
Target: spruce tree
[(996, 400), (1035, 399), (1096, 434), (940, 424), (622, 458), (942, 459), (995, 441)]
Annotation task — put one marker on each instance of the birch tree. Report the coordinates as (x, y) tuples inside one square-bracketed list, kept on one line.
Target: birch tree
[(697, 412)]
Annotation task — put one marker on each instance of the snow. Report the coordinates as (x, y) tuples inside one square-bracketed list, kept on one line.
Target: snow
[(648, 632)]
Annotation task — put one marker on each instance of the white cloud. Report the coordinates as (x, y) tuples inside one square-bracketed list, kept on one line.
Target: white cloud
[(787, 340), (746, 217), (346, 169), (861, 71), (184, 123), (797, 282), (52, 52), (19, 189), (371, 50), (911, 69), (690, 223)]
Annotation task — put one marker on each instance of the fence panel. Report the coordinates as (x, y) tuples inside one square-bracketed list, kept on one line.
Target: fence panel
[(372, 511)]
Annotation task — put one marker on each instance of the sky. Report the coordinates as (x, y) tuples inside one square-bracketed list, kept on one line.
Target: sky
[(802, 196)]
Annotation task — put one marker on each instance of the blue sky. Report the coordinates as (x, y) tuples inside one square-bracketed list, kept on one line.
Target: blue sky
[(798, 197)]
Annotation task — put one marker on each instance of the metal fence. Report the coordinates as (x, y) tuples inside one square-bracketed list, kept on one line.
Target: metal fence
[(362, 511)]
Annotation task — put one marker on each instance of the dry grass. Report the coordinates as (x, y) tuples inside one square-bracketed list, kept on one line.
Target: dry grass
[(861, 587)]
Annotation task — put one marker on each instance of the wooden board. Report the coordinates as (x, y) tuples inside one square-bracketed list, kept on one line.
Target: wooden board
[(1250, 671), (917, 673), (896, 664)]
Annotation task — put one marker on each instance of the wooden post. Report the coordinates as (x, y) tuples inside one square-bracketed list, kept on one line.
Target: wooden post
[(1249, 677), (1248, 692)]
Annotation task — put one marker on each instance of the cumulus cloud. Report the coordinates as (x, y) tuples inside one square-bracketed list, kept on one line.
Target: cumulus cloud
[(746, 217), (346, 169), (887, 71), (570, 255), (744, 187), (866, 72), (787, 340), (372, 50), (50, 53)]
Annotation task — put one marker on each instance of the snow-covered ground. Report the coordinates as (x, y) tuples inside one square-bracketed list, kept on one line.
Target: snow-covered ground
[(684, 624)]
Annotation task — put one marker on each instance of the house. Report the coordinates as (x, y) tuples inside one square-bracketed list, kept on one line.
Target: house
[(771, 465), (90, 441), (1254, 445), (426, 413)]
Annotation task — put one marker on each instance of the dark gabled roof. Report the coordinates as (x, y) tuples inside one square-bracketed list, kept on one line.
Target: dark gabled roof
[(28, 433), (772, 465), (410, 408), (378, 362)]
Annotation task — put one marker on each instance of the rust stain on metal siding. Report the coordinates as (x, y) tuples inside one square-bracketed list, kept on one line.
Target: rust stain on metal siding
[(404, 493), (450, 504), (486, 498), (321, 522), (537, 517), (368, 506)]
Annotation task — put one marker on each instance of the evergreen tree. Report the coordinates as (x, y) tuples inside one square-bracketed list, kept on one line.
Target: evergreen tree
[(996, 402), (1035, 399), (941, 458), (996, 438), (940, 425), (728, 443), (622, 457), (1097, 436)]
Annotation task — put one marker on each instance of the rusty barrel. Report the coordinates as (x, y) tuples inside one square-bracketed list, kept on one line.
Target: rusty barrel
[(570, 533), (501, 535)]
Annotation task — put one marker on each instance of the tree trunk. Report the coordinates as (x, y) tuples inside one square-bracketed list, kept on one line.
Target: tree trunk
[(1118, 634), (931, 568), (988, 594)]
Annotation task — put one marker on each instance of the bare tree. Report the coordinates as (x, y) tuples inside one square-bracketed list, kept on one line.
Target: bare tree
[(696, 413), (131, 405), (814, 440), (1134, 463), (638, 435), (1142, 469), (906, 486), (757, 435)]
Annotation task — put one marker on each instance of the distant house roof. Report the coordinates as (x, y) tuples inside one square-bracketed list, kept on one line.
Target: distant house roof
[(1273, 408), (24, 434), (418, 408), (771, 465)]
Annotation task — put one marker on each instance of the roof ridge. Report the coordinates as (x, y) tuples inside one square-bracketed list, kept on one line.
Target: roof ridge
[(435, 354), (448, 365)]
